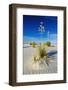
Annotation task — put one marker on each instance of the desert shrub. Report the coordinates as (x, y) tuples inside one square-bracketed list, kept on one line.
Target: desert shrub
[(48, 44), (30, 43), (42, 51), (33, 44)]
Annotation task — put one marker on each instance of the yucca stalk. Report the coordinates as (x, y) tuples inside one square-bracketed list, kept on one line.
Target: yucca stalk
[(41, 30)]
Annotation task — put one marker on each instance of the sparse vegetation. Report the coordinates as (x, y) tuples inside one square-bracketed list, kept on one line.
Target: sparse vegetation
[(48, 44), (30, 43), (33, 44), (41, 53)]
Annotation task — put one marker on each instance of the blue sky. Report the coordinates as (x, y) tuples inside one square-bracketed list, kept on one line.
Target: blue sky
[(31, 26)]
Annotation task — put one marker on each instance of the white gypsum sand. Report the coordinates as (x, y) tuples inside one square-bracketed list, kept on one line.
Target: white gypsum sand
[(31, 67)]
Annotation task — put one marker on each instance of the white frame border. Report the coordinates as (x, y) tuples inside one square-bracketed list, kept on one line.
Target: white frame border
[(41, 77)]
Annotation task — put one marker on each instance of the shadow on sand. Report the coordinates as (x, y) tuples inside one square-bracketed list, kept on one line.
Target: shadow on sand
[(52, 53)]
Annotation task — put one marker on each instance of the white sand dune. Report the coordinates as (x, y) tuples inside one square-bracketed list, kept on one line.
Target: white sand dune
[(30, 67)]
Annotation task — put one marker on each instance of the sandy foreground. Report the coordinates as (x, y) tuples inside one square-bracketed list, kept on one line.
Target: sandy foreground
[(43, 67)]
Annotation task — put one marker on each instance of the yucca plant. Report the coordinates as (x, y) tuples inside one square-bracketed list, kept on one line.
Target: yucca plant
[(41, 50), (41, 53)]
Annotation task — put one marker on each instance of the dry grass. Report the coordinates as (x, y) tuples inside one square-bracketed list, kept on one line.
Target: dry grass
[(40, 53)]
